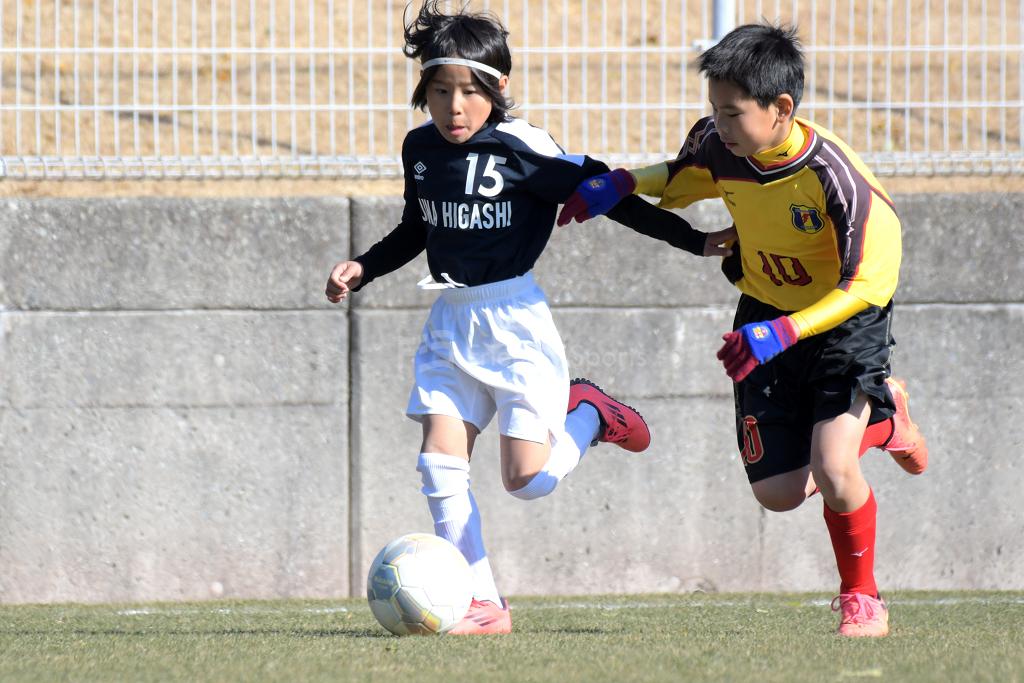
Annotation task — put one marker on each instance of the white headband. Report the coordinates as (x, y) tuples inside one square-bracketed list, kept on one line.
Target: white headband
[(461, 62)]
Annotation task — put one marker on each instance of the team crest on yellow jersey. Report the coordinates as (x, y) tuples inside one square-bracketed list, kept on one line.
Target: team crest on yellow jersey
[(806, 219)]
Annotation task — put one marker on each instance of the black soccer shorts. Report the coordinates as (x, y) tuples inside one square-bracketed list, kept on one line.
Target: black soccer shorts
[(816, 379)]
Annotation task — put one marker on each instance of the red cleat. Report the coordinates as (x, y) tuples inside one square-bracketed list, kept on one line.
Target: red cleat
[(863, 615), (907, 445), (484, 618), (620, 424)]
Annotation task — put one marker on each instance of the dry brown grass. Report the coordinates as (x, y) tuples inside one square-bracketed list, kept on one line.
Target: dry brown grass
[(581, 77), (348, 188)]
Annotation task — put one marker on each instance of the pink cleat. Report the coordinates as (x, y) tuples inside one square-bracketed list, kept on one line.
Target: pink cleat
[(620, 424), (907, 445), (863, 615), (484, 618)]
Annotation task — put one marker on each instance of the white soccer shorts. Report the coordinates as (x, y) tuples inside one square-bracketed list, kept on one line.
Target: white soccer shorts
[(493, 349)]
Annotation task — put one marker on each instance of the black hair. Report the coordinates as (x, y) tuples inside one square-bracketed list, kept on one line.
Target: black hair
[(477, 36), (764, 60)]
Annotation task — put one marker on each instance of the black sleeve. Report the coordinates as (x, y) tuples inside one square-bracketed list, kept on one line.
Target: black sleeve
[(555, 178), (399, 246), (647, 219)]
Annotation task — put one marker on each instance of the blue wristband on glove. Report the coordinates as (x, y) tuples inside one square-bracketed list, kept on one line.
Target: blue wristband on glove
[(768, 339), (756, 343), (596, 196)]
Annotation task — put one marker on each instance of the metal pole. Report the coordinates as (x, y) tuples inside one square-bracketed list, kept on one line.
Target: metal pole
[(724, 18)]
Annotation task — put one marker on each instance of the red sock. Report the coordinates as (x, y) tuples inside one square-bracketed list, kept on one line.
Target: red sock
[(876, 435), (853, 541)]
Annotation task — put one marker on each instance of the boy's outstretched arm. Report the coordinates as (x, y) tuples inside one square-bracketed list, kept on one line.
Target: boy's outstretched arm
[(645, 218), (597, 195)]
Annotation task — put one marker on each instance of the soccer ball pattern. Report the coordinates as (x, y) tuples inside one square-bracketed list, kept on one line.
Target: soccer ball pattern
[(419, 584)]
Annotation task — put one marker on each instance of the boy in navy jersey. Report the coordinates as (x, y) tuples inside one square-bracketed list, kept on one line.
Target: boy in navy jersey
[(481, 191), (816, 262)]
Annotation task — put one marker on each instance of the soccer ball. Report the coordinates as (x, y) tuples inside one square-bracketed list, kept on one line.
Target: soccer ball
[(419, 584)]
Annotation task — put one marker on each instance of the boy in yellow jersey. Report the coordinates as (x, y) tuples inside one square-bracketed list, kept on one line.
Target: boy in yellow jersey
[(816, 261)]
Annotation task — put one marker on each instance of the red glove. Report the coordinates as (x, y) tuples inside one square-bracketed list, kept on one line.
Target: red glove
[(756, 343)]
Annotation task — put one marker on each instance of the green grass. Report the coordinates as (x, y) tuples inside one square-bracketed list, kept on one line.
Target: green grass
[(763, 638)]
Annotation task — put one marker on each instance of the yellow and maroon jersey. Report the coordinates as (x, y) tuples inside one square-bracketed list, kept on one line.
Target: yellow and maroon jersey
[(811, 217)]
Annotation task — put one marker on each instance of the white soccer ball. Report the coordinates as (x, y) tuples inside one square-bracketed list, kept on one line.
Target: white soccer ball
[(419, 584)]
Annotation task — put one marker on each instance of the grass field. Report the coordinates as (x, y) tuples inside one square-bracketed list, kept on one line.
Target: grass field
[(785, 638)]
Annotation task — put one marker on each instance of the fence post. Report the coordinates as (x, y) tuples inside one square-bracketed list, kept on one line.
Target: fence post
[(724, 18)]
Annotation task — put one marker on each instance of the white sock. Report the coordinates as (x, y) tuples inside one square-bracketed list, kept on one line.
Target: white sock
[(456, 516), (581, 425)]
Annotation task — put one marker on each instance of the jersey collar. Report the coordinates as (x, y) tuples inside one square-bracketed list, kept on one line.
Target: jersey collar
[(793, 151)]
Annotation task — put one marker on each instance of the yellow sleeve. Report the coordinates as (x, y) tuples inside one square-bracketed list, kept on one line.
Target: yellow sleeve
[(688, 183), (832, 309), (681, 181), (651, 180)]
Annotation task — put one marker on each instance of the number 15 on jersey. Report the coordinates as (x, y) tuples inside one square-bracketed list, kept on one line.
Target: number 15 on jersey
[(492, 183)]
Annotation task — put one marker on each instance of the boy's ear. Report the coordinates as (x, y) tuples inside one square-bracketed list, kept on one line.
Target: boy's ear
[(784, 105), (503, 82)]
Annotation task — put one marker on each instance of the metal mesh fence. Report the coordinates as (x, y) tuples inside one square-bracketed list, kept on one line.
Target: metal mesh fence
[(319, 88)]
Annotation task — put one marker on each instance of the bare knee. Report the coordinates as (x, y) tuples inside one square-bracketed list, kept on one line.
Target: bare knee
[(513, 481), (783, 492), (521, 461), (839, 482), (780, 502)]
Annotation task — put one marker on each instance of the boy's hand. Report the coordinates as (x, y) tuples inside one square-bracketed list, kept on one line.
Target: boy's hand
[(756, 343), (596, 196), (720, 243), (345, 276)]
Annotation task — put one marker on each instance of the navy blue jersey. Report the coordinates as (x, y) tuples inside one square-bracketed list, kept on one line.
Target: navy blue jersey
[(484, 209)]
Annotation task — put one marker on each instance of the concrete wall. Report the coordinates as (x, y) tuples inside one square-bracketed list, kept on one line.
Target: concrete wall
[(183, 416)]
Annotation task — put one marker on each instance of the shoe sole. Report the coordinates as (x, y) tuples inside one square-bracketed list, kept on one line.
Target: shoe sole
[(485, 624), (482, 631), (864, 634), (913, 460)]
